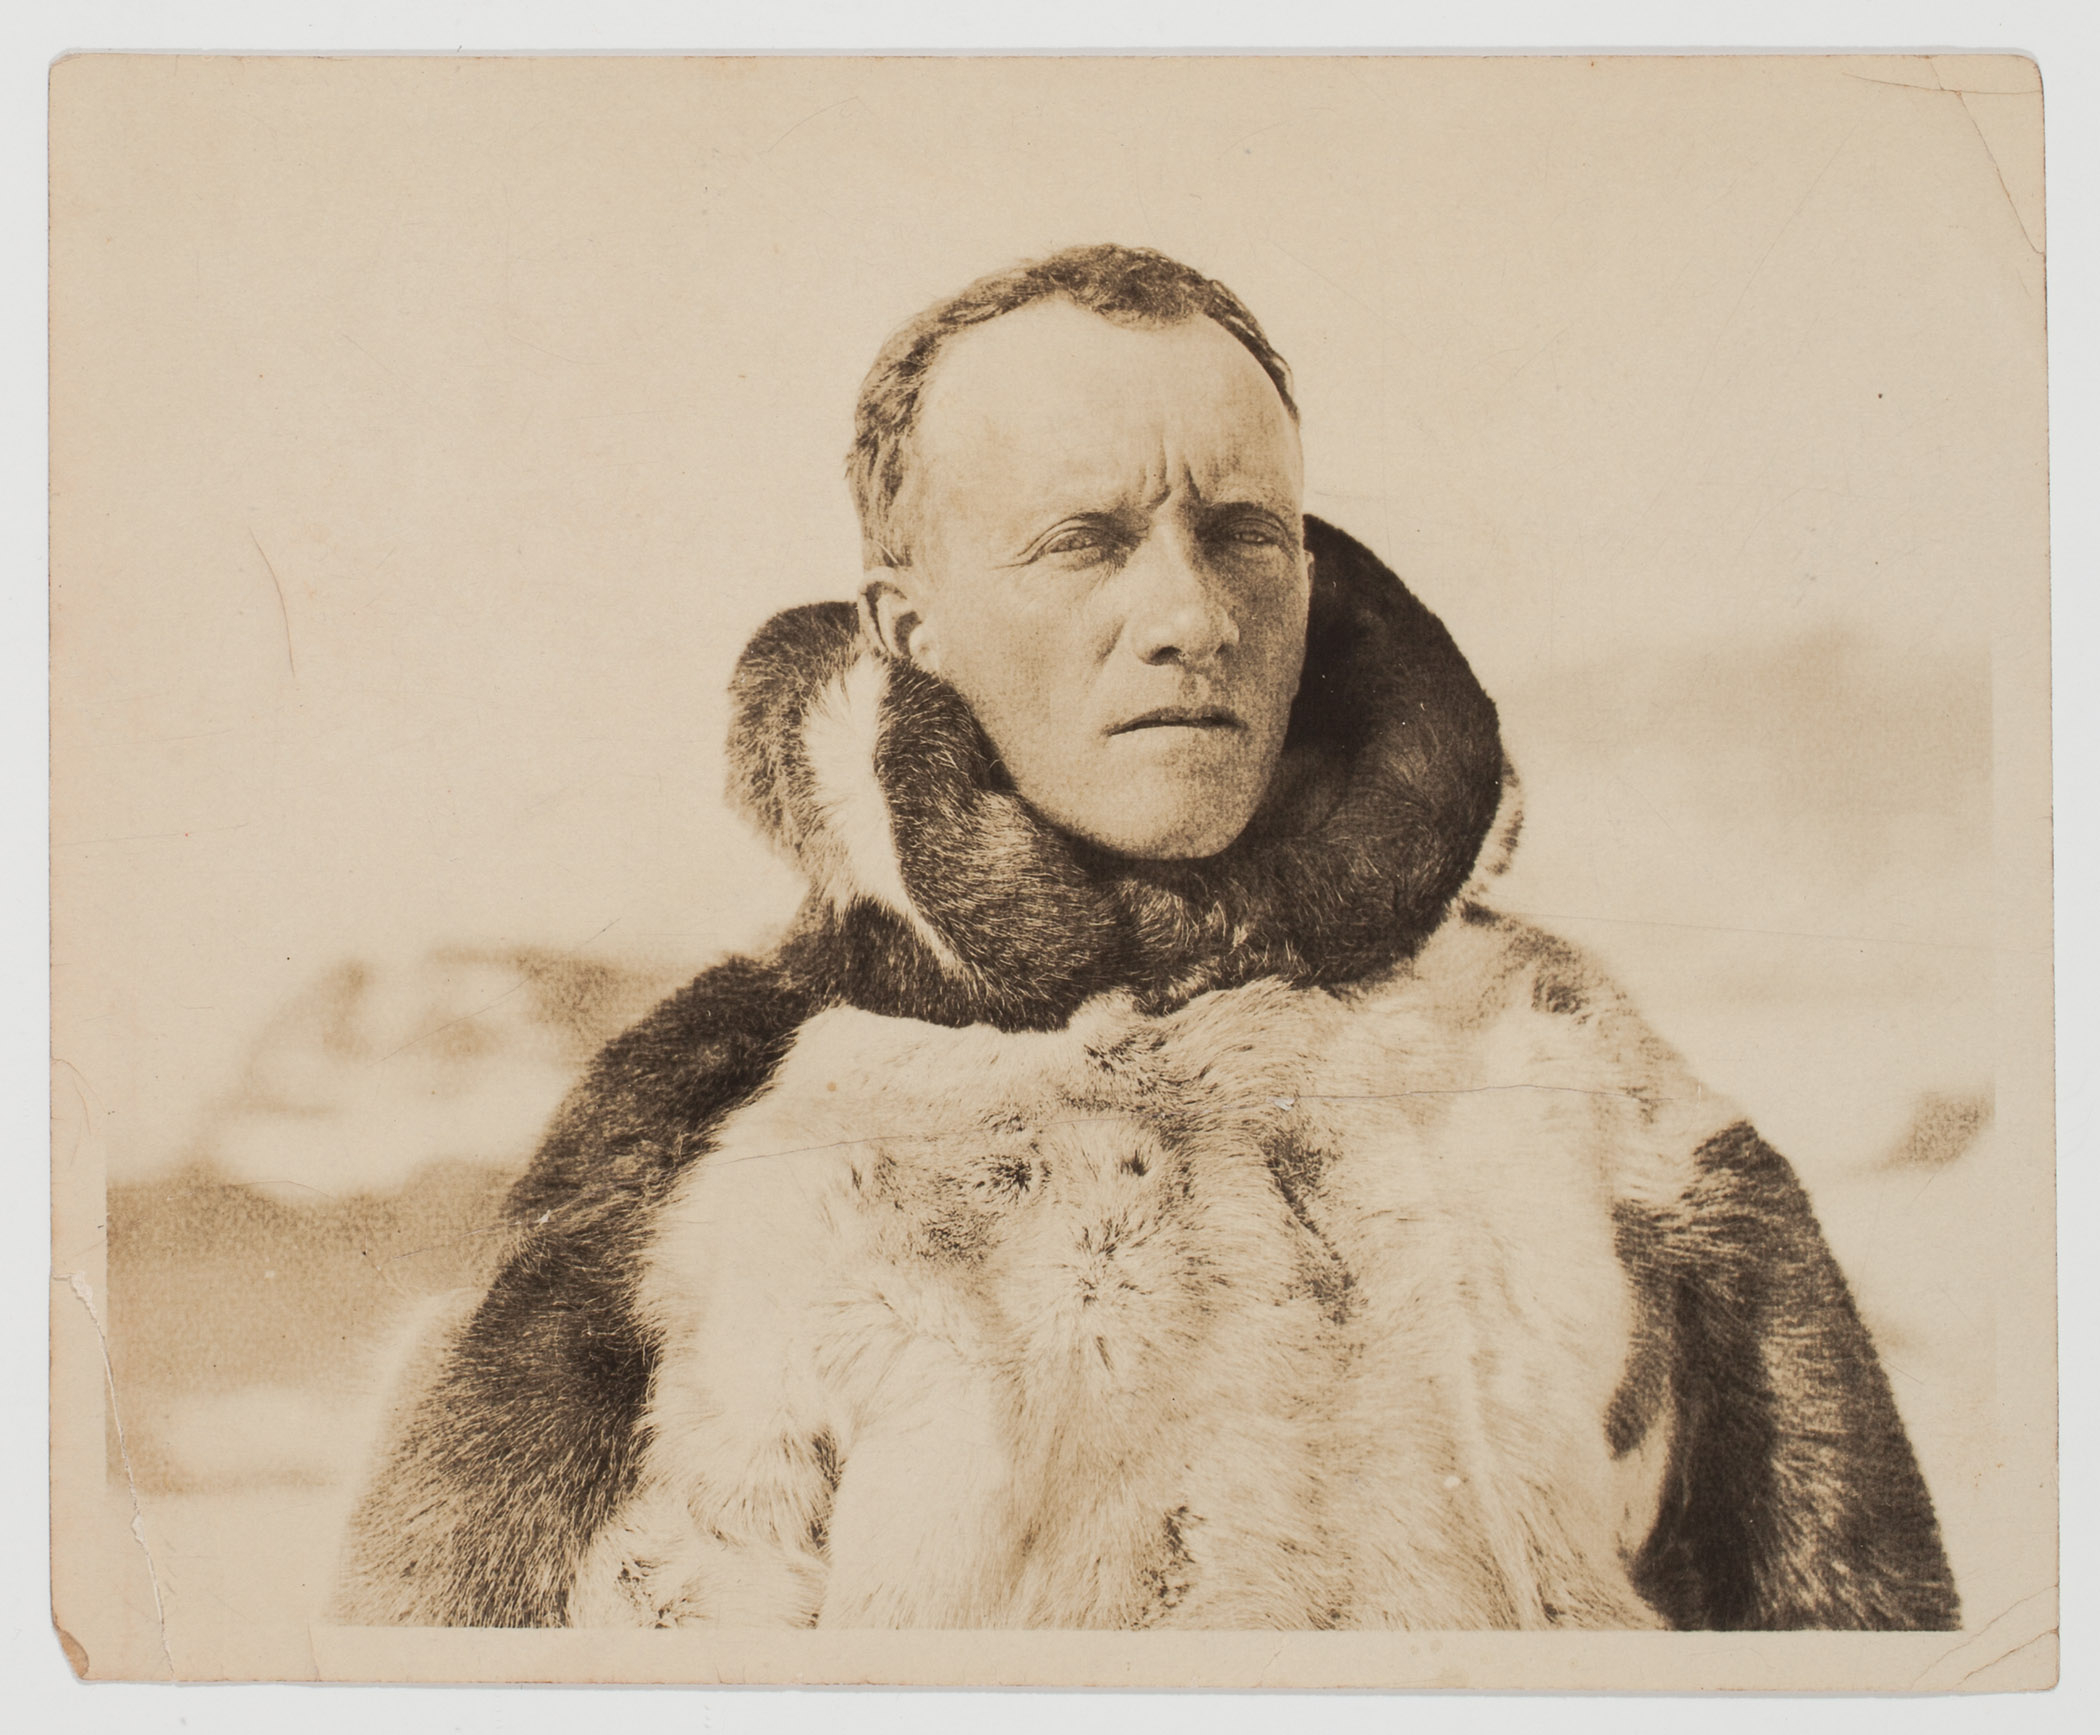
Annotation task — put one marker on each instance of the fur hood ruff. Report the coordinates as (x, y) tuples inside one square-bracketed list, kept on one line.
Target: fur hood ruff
[(1038, 1238)]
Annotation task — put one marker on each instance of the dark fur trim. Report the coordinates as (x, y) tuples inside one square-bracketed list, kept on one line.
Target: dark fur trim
[(780, 675), (1792, 1498), (1391, 775)]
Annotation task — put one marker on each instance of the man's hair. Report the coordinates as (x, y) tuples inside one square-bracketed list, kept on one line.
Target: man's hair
[(1132, 286)]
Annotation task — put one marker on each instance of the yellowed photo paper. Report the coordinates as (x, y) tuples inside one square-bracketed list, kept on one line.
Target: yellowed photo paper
[(1097, 871)]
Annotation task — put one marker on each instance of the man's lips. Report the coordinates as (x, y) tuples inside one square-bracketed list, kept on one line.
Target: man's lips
[(1181, 717)]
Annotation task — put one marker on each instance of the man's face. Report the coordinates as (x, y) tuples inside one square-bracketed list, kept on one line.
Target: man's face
[(1108, 564)]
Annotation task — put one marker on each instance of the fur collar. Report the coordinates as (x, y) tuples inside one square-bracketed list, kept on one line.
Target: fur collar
[(938, 893)]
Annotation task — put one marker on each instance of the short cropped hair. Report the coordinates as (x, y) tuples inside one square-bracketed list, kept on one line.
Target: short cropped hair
[(1132, 286)]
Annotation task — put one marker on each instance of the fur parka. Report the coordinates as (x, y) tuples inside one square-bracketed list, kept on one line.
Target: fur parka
[(1041, 1238)]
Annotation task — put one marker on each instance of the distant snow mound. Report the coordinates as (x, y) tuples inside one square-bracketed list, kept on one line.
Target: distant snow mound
[(373, 1072)]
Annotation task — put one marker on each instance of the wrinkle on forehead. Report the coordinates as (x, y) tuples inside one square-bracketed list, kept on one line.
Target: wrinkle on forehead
[(1055, 410)]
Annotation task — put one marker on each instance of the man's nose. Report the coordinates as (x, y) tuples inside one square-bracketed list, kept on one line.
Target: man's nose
[(1179, 612)]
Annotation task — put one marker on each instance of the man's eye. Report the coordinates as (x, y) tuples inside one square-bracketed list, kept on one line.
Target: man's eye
[(1076, 541)]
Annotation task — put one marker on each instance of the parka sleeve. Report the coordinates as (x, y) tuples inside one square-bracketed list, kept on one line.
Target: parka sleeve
[(516, 1438), (1791, 1498)]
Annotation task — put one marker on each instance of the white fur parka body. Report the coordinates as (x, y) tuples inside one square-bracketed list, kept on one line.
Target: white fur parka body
[(1074, 1358), (1036, 1239)]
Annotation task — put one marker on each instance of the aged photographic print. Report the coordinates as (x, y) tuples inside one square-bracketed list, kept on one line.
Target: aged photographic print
[(941, 870)]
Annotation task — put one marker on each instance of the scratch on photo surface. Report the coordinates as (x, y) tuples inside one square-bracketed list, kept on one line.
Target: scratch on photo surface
[(76, 1282), (1989, 1643), (283, 613), (1962, 94), (805, 120)]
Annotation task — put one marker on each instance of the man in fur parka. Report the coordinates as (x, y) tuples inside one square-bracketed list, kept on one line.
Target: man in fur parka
[(1150, 1184)]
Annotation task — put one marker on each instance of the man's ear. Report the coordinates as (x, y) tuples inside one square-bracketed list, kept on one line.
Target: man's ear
[(890, 617)]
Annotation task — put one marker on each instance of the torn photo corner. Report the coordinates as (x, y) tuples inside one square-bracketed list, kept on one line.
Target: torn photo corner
[(973, 871)]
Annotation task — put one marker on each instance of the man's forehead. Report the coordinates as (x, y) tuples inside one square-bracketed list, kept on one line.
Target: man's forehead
[(1054, 397)]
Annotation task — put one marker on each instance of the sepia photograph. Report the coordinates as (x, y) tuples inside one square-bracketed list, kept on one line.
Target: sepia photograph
[(970, 871)]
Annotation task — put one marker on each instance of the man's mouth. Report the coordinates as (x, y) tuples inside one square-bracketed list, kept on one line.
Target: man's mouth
[(1181, 717)]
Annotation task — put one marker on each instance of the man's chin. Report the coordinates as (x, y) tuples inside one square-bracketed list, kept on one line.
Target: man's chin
[(1150, 823)]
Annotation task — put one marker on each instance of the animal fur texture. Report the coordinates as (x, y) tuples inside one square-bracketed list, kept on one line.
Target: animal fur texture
[(1042, 1239)]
